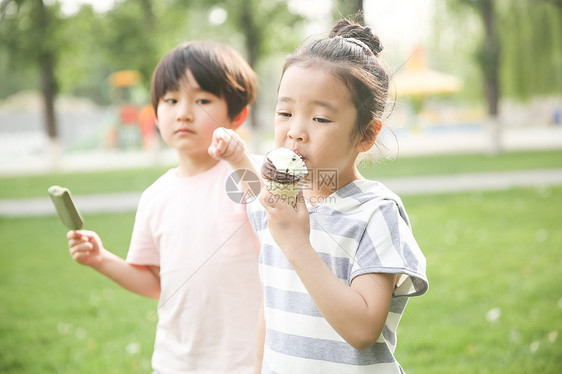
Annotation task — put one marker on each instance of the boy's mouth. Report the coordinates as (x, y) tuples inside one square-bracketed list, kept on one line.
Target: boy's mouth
[(184, 130)]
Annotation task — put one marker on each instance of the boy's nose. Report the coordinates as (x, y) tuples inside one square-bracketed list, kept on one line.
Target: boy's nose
[(185, 112)]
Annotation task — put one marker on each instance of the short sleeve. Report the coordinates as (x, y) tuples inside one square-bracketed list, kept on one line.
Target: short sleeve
[(388, 246), (142, 250)]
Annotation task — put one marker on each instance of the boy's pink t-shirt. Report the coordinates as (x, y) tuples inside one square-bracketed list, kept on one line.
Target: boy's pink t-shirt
[(208, 257)]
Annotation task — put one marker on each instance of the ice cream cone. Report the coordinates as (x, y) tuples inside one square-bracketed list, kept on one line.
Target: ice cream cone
[(283, 172)]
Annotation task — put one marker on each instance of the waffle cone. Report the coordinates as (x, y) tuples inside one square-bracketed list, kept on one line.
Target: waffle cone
[(285, 192)]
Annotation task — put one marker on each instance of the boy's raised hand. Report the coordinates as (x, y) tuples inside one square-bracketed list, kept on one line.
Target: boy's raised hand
[(85, 247), (226, 145)]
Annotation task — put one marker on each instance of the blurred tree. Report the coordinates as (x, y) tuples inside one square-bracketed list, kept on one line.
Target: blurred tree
[(75, 53), (14, 79), (128, 38), (520, 51), (256, 19), (350, 9), (83, 67), (488, 56), (531, 38), (37, 41), (133, 35)]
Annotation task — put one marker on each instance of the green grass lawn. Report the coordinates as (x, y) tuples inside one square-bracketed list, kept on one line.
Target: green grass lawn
[(138, 179), (464, 163), (494, 254), (495, 271), (57, 316)]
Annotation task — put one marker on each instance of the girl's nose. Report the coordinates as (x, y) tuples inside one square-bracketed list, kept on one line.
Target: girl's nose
[(297, 132)]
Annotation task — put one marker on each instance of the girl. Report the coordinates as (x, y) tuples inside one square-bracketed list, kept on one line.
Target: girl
[(338, 269)]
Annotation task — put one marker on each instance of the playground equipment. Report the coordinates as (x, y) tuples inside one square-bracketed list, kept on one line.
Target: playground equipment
[(134, 125)]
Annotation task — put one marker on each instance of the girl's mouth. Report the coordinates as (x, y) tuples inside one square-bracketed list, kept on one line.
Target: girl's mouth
[(299, 154)]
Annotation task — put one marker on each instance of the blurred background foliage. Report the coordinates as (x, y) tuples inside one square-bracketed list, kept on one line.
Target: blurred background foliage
[(87, 47), (527, 39), (504, 48)]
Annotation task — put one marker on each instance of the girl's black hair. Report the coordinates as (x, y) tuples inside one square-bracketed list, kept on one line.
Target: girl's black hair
[(351, 54), (217, 68)]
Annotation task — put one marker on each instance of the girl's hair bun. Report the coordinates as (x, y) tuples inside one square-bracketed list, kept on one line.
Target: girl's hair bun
[(347, 29)]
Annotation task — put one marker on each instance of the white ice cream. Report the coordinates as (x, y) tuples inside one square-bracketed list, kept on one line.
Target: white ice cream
[(285, 159)]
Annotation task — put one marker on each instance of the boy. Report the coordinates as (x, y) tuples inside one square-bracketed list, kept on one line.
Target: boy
[(192, 247)]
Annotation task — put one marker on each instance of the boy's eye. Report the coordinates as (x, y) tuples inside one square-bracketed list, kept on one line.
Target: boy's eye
[(170, 100), (284, 114), (203, 101), (321, 120)]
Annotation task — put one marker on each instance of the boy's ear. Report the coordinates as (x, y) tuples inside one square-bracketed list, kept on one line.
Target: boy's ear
[(240, 118)]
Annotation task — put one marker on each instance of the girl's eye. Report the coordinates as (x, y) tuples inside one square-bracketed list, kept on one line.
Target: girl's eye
[(203, 101), (321, 120), (284, 114), (170, 100)]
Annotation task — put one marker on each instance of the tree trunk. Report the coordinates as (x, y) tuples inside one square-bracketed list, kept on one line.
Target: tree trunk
[(148, 14), (251, 34), (490, 60), (48, 89), (253, 46)]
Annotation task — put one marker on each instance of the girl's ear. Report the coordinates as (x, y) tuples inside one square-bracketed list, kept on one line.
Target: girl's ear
[(370, 136), (240, 118)]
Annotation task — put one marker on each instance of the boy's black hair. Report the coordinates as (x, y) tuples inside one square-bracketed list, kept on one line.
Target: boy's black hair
[(217, 68)]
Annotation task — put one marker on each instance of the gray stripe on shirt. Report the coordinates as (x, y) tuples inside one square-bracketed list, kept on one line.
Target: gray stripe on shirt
[(391, 214), (327, 350), (349, 190), (398, 304), (346, 227), (389, 211), (409, 257), (340, 266), (389, 336), (290, 301)]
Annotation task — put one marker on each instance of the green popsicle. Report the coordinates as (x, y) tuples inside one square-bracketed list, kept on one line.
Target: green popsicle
[(66, 209)]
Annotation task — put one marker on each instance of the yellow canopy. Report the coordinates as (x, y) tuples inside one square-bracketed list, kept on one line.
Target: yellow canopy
[(418, 80), (124, 78)]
